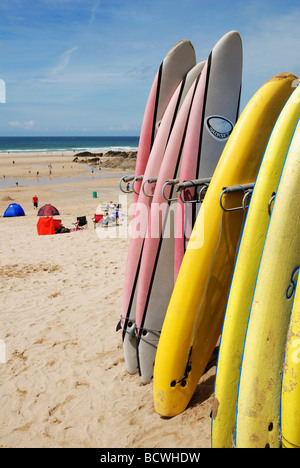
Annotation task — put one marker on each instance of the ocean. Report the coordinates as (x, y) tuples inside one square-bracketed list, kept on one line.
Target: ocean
[(61, 143)]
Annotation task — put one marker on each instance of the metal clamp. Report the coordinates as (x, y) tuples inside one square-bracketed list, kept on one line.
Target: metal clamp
[(247, 195), (136, 179), (202, 192), (193, 183), (271, 203), (169, 182), (246, 188), (150, 180), (125, 179)]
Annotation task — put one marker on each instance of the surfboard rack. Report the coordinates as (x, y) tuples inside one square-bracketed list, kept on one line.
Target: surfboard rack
[(246, 188), (203, 183), (150, 180)]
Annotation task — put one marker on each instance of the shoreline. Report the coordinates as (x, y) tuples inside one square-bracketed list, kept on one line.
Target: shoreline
[(43, 167)]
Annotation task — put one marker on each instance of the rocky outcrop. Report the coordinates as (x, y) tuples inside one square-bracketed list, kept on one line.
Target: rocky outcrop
[(86, 157), (111, 159)]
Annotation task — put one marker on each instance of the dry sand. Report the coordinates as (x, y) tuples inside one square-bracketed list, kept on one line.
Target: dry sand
[(64, 382)]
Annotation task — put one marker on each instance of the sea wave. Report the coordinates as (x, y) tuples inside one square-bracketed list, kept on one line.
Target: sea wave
[(69, 150)]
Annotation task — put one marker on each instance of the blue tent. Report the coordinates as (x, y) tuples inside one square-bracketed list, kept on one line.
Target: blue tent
[(13, 210)]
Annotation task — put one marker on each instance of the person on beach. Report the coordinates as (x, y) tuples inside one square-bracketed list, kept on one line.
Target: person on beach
[(35, 201), (106, 220)]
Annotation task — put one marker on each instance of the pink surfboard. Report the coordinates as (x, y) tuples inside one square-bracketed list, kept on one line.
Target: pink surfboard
[(140, 218), (178, 61), (217, 94)]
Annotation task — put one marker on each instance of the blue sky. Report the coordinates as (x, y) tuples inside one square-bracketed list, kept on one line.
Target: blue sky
[(85, 67)]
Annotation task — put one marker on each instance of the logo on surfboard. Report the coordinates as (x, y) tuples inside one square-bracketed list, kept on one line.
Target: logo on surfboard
[(219, 127)]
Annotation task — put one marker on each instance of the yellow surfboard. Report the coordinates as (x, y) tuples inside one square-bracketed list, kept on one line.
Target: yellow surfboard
[(290, 392), (258, 401), (195, 314), (245, 272)]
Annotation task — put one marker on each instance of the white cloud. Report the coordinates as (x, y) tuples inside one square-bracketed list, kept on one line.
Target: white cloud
[(270, 47), (2, 91), (123, 128), (94, 11), (63, 61), (29, 125)]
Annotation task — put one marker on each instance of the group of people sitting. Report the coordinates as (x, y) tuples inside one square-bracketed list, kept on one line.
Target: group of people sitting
[(111, 211)]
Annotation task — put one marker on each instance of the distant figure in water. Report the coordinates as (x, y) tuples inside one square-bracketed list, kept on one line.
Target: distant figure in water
[(37, 173)]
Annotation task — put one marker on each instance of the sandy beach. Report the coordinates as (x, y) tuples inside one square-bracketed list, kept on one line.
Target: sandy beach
[(63, 380)]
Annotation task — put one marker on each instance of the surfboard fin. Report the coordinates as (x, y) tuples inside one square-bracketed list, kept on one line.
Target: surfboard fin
[(119, 325)]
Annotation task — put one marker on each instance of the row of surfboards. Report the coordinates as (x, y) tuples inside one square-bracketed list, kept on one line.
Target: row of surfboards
[(214, 250)]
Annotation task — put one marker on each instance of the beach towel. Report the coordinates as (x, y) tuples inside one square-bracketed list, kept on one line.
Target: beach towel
[(45, 226)]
